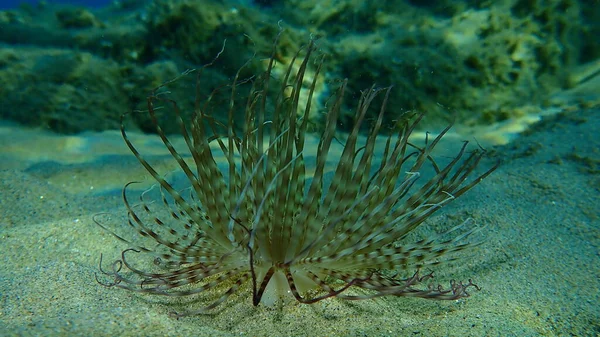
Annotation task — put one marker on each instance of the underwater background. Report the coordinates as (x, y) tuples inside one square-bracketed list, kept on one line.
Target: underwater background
[(519, 78)]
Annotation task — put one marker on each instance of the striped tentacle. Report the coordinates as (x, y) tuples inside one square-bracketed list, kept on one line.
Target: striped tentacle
[(310, 219)]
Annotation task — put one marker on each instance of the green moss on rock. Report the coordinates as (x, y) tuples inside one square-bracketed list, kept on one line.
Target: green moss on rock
[(61, 90)]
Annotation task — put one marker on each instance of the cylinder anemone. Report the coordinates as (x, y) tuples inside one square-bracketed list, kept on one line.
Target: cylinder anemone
[(255, 215)]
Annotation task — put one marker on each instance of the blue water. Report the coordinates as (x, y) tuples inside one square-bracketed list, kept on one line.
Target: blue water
[(7, 4)]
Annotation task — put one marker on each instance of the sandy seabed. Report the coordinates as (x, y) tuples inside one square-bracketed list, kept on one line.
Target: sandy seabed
[(538, 269)]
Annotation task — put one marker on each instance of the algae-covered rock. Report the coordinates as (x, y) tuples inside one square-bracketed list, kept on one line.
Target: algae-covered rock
[(424, 78), (470, 61), (62, 90), (76, 18), (195, 31), (520, 52)]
